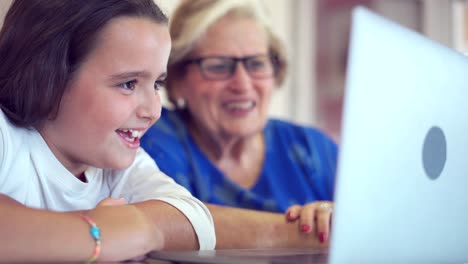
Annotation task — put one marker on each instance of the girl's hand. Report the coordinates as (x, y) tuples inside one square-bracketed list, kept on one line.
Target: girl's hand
[(313, 217)]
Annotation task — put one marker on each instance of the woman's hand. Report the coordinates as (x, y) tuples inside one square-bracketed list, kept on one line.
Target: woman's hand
[(313, 217)]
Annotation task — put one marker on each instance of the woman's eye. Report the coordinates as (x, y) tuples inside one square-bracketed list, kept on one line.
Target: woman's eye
[(218, 68), (130, 85), (257, 64), (159, 84)]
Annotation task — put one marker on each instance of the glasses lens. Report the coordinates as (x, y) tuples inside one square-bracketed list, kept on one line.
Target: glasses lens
[(217, 68), (222, 68), (259, 66)]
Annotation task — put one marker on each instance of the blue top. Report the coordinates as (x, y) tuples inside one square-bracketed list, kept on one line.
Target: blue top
[(299, 165)]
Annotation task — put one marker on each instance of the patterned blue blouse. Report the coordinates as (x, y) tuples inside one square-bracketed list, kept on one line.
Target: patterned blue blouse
[(299, 166)]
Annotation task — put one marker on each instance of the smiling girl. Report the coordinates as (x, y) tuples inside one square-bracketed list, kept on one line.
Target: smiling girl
[(79, 85)]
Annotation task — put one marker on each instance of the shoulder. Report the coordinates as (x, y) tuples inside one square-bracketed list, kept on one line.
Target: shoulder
[(7, 128), (15, 157), (4, 142), (11, 136), (5, 125)]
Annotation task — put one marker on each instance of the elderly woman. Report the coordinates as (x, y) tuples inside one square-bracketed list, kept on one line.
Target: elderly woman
[(218, 141)]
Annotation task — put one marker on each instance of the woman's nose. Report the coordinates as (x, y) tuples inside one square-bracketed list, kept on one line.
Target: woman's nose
[(241, 79)]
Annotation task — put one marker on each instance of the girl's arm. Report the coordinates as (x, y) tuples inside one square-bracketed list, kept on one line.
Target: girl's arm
[(182, 221), (172, 228), (38, 235)]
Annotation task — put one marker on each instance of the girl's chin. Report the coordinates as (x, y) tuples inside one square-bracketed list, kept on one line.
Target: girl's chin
[(121, 163)]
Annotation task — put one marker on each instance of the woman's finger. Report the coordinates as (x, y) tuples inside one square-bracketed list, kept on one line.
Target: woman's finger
[(323, 214), (293, 213), (307, 218)]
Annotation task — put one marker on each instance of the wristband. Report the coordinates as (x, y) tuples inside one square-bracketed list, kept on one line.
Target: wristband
[(96, 235)]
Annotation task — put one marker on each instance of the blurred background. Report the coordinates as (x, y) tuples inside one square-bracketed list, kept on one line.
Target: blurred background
[(316, 34)]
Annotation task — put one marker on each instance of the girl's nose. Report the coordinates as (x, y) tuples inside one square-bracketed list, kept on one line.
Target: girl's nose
[(150, 106)]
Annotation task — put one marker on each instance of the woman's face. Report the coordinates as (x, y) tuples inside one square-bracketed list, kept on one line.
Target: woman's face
[(112, 99), (237, 106)]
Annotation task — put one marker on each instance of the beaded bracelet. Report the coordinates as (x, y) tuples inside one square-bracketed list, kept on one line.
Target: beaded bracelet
[(96, 235)]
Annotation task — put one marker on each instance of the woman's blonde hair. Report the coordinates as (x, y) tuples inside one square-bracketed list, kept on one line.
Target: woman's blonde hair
[(191, 19)]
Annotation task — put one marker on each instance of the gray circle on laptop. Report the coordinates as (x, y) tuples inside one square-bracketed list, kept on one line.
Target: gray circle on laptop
[(434, 152)]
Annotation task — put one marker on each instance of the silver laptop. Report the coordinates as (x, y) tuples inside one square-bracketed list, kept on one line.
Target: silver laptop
[(402, 183), (402, 186)]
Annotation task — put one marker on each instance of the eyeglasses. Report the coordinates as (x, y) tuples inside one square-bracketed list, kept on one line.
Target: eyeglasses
[(223, 67)]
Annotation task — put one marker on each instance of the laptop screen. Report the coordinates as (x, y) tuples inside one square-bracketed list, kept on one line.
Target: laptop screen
[(402, 183)]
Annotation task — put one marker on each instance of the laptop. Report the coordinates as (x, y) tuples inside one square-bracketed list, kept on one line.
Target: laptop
[(402, 184)]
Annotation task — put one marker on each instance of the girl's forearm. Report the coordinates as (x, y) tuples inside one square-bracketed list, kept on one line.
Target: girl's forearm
[(37, 235), (34, 235)]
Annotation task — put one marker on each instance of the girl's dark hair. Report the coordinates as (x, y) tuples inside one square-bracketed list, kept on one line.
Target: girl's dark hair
[(43, 42)]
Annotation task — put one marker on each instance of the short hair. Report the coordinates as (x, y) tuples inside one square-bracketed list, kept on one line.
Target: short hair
[(44, 42), (191, 19)]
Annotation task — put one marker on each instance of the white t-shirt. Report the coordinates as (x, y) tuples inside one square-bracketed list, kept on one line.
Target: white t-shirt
[(32, 175)]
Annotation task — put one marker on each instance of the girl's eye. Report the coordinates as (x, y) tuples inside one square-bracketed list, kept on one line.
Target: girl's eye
[(159, 84), (130, 85)]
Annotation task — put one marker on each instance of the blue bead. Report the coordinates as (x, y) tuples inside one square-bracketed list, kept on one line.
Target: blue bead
[(95, 233)]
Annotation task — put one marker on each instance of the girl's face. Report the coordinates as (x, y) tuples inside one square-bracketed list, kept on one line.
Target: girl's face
[(112, 99)]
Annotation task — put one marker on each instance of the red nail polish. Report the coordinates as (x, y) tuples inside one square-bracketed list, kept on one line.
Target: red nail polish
[(305, 228), (322, 237)]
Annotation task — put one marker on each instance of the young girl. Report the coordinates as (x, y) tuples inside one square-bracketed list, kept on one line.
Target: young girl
[(79, 87)]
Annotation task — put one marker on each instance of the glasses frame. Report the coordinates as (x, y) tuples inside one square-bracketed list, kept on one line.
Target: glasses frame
[(244, 60)]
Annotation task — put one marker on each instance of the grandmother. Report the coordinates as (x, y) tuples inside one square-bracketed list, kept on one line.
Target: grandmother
[(218, 141)]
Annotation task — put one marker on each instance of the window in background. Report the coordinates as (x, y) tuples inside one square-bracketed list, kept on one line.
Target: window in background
[(460, 25), (4, 5), (333, 30)]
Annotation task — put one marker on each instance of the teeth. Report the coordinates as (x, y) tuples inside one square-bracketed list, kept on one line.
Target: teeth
[(240, 105), (135, 134)]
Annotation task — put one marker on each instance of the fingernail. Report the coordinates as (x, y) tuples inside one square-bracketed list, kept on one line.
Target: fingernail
[(305, 228), (289, 216), (322, 237)]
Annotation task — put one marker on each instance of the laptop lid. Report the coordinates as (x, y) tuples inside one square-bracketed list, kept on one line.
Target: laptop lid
[(402, 185)]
